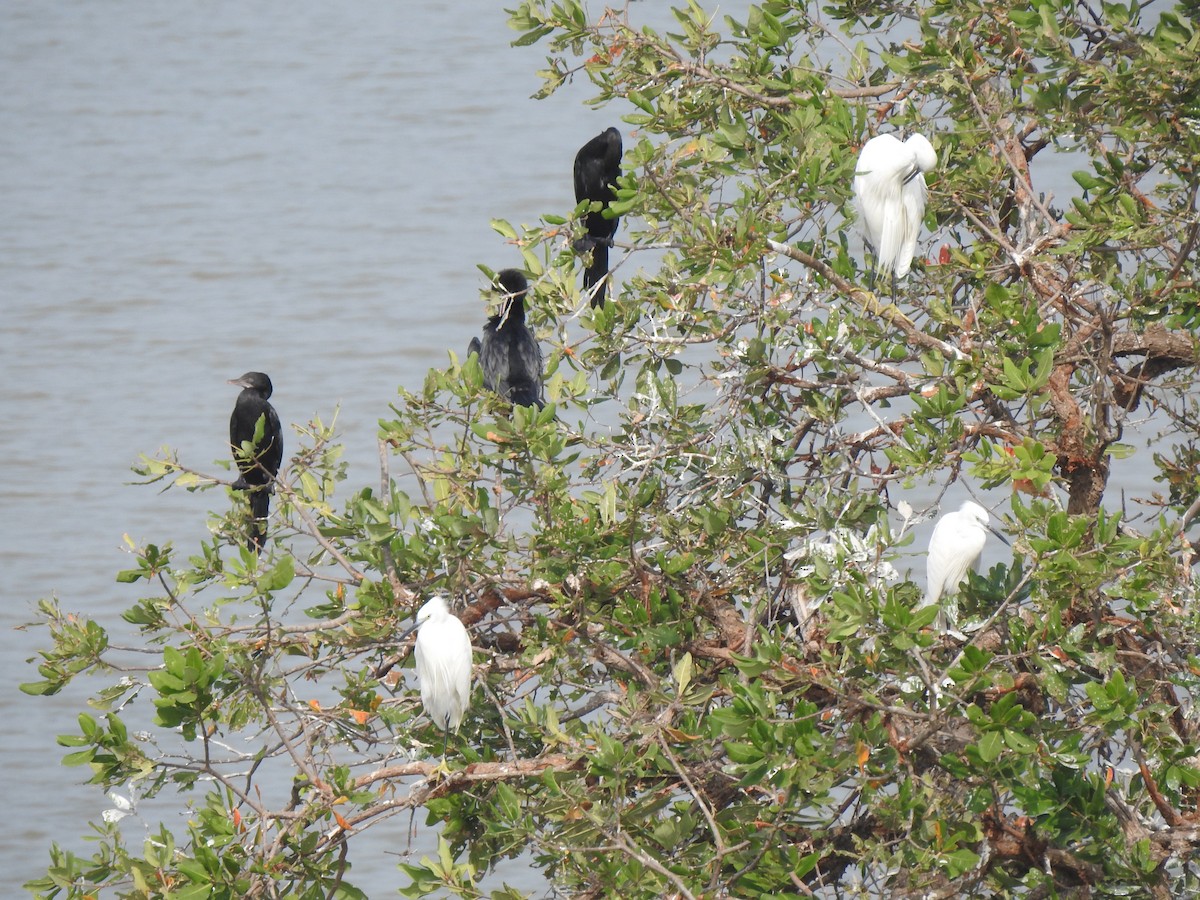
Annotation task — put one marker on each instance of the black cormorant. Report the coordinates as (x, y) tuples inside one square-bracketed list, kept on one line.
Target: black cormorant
[(597, 167), (259, 469), (509, 353)]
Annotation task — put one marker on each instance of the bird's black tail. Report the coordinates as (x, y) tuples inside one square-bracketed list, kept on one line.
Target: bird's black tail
[(525, 394), (260, 506), (597, 272)]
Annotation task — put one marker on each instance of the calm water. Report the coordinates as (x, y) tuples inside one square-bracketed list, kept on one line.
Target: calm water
[(193, 191)]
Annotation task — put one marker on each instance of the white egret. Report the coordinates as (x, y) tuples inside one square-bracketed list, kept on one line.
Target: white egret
[(443, 657), (954, 549), (889, 191)]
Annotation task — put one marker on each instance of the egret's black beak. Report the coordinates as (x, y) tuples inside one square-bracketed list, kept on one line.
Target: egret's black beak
[(1006, 541)]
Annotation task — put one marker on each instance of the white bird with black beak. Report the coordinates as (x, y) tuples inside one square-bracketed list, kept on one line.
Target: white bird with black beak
[(954, 550), (443, 663), (889, 190)]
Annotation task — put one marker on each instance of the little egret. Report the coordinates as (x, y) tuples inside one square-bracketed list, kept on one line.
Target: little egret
[(889, 190), (954, 549), (260, 466), (443, 657), (509, 353), (597, 168)]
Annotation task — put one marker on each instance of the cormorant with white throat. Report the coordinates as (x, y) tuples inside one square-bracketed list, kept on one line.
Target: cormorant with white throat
[(509, 353)]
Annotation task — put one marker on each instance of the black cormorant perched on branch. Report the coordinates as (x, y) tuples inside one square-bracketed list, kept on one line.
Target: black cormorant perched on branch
[(260, 467), (597, 167), (509, 353)]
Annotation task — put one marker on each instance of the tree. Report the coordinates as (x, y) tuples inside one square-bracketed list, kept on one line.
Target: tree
[(727, 442)]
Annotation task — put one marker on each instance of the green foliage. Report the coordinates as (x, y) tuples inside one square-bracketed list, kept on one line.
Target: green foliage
[(702, 673)]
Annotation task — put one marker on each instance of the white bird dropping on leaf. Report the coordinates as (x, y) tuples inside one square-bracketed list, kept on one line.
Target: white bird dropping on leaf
[(443, 658), (889, 191), (122, 806), (954, 549)]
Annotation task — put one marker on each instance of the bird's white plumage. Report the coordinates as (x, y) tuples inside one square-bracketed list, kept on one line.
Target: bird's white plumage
[(954, 549), (889, 190), (443, 658)]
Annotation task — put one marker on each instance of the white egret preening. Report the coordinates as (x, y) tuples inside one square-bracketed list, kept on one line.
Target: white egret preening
[(889, 191), (443, 657), (954, 549)]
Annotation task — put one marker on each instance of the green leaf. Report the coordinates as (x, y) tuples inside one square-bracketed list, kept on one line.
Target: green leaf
[(990, 746), (280, 576), (683, 673)]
